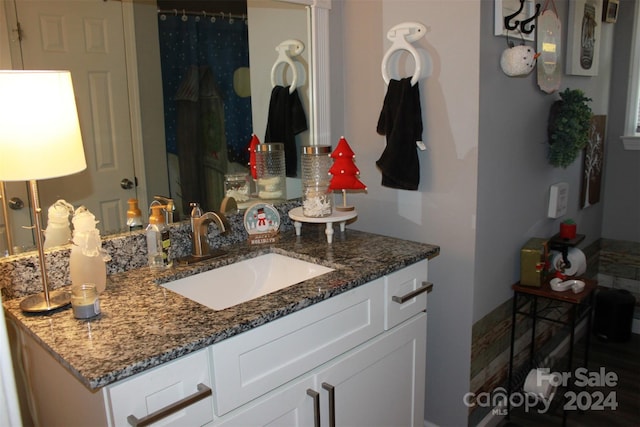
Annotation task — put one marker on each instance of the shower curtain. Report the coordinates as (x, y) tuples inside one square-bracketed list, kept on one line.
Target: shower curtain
[(207, 102)]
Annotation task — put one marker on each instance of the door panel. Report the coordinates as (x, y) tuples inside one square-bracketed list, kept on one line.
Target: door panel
[(87, 38)]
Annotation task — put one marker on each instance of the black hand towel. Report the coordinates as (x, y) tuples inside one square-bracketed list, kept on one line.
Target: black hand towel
[(401, 122), (286, 119)]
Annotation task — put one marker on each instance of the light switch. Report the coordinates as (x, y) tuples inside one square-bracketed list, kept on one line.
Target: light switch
[(558, 199)]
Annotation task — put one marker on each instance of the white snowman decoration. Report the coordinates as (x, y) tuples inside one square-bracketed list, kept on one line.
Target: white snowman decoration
[(518, 60)]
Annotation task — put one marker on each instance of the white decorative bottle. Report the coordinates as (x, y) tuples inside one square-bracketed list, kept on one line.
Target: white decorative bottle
[(58, 230), (87, 262)]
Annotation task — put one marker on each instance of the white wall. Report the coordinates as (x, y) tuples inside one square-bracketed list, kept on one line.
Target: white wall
[(281, 21), (443, 210)]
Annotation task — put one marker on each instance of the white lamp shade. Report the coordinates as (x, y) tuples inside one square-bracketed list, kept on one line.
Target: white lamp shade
[(39, 129)]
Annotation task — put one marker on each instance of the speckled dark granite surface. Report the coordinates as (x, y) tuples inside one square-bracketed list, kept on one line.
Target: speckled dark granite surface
[(143, 325)]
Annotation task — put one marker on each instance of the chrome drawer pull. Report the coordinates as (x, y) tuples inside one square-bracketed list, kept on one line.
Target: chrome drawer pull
[(316, 406), (426, 287), (332, 403), (202, 393)]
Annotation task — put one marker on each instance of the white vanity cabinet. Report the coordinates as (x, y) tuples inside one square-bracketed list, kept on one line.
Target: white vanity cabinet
[(358, 360), (380, 383), (355, 359)]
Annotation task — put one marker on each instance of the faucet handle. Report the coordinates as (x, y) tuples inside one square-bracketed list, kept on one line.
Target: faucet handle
[(196, 210), (169, 208)]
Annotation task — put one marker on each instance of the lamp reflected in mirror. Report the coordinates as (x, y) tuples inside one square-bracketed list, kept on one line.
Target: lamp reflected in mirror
[(39, 139)]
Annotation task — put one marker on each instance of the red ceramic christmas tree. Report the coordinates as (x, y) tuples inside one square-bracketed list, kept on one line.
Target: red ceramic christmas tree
[(345, 173)]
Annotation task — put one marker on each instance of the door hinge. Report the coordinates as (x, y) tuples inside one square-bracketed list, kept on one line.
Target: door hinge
[(18, 32)]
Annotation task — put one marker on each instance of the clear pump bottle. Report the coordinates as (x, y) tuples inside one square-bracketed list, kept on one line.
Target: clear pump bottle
[(158, 239)]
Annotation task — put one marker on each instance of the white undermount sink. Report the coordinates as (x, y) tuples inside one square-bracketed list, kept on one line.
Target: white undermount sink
[(243, 281)]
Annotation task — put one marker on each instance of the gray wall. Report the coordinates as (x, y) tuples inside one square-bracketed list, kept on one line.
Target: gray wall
[(485, 178), (514, 175)]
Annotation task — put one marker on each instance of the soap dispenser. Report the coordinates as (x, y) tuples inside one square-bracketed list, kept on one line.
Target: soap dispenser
[(134, 216), (87, 261), (58, 231), (158, 238)]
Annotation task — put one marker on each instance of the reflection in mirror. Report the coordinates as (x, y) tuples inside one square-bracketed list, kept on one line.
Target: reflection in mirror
[(207, 85), (130, 115)]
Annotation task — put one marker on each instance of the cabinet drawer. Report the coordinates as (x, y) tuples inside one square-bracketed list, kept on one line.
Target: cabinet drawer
[(162, 387), (257, 361), (401, 284)]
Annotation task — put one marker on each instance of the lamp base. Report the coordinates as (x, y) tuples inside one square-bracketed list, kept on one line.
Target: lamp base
[(38, 304)]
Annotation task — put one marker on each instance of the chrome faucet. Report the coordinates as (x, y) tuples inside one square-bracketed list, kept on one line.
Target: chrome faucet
[(199, 230)]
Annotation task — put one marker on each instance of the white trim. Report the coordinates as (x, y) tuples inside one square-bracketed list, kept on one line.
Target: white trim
[(319, 87), (135, 114), (9, 407), (631, 137), (631, 142)]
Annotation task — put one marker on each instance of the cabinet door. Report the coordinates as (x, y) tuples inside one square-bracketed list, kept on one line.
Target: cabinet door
[(381, 383), (288, 406)]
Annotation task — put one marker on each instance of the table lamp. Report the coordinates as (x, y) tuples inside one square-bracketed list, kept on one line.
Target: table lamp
[(39, 139)]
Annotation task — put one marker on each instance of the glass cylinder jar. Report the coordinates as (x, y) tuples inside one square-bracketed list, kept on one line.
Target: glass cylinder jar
[(317, 198), (271, 171), (84, 301), (315, 162), (236, 185)]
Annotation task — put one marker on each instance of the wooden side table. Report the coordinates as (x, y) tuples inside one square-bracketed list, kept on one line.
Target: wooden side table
[(581, 307)]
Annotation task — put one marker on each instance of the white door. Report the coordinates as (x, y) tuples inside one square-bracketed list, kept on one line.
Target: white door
[(382, 383), (86, 37)]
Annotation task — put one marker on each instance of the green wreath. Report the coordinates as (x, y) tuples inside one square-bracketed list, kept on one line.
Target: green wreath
[(568, 127)]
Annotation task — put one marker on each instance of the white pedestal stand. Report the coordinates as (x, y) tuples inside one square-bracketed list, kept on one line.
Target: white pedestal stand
[(337, 216)]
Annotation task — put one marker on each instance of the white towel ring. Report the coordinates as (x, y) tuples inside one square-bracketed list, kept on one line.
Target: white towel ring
[(287, 50), (402, 35)]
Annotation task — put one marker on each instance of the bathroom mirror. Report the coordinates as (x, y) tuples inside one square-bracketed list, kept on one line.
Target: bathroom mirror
[(151, 179)]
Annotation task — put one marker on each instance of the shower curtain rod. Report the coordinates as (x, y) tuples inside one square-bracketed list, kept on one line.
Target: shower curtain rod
[(202, 13)]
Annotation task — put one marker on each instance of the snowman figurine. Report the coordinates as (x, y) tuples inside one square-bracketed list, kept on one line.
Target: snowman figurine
[(518, 60), (262, 223)]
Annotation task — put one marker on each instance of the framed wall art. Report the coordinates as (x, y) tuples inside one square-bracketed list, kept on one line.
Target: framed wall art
[(583, 37), (592, 162), (523, 17), (610, 10)]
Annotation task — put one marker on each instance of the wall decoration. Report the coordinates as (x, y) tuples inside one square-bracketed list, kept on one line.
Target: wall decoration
[(610, 10), (549, 46), (521, 16), (568, 127), (583, 37), (593, 160)]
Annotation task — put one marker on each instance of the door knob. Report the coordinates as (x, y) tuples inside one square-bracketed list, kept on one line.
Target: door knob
[(16, 203), (126, 184)]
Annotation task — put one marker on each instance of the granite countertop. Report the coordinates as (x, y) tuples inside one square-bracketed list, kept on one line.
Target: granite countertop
[(143, 325)]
